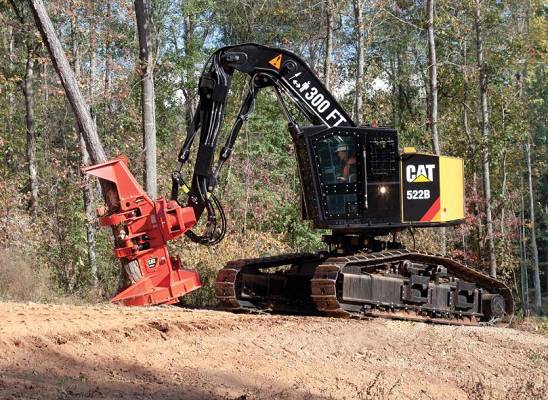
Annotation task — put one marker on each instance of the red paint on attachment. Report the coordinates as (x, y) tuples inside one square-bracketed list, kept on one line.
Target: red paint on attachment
[(432, 211), (143, 228)]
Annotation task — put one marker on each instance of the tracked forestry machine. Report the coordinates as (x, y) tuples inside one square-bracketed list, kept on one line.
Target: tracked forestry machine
[(356, 182)]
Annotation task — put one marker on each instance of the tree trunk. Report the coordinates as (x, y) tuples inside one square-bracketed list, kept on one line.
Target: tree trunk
[(523, 257), (45, 83), (503, 195), (359, 23), (108, 58), (537, 301), (327, 64), (61, 64), (485, 143), (433, 74), (143, 11), (11, 57), (28, 92), (190, 94), (87, 193), (546, 263), (470, 145), (76, 59), (313, 55), (10, 100), (395, 89), (545, 252), (477, 206), (433, 92), (87, 189)]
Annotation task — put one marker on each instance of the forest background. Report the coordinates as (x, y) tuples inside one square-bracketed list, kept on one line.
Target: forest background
[(466, 79)]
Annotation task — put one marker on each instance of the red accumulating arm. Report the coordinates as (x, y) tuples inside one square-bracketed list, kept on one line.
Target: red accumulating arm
[(142, 228)]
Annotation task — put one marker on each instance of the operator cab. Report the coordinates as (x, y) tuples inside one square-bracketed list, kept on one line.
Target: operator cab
[(352, 181), (354, 173)]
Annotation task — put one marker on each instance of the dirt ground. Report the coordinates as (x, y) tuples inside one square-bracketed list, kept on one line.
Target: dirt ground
[(109, 352)]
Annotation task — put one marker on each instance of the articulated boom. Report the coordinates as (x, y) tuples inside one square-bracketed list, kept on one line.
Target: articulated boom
[(282, 70)]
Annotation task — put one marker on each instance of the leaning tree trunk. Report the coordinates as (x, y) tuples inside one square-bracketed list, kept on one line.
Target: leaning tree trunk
[(146, 57), (485, 143), (86, 125), (28, 91), (537, 301), (61, 64)]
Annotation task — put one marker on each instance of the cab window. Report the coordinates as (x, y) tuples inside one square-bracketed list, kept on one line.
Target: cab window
[(337, 156), (338, 174)]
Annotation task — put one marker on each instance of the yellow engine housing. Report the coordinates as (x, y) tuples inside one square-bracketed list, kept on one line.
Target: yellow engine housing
[(432, 188)]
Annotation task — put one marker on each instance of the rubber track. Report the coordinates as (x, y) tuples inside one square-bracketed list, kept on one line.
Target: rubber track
[(324, 282), (324, 285)]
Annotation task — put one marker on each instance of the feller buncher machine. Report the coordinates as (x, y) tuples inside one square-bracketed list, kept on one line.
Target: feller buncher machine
[(356, 183)]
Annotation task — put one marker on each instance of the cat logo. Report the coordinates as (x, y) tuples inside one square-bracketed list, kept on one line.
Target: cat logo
[(420, 173), (276, 62)]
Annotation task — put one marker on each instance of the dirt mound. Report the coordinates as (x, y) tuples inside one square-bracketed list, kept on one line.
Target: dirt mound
[(108, 352)]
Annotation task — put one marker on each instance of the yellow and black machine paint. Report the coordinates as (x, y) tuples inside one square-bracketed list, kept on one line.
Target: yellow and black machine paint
[(432, 188)]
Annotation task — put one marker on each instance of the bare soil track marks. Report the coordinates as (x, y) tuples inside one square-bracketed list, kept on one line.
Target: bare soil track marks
[(109, 352)]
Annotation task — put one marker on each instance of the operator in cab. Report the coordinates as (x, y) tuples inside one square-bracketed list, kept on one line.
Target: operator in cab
[(348, 160)]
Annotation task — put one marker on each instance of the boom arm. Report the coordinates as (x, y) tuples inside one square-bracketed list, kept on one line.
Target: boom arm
[(266, 66)]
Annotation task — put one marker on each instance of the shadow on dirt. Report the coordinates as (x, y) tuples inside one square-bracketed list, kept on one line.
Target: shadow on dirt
[(49, 374)]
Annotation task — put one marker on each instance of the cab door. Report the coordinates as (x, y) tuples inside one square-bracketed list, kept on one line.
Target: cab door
[(339, 161)]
